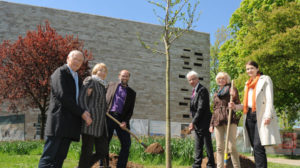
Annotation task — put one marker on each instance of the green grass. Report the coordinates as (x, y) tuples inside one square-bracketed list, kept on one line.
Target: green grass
[(26, 154), (276, 165), (277, 156)]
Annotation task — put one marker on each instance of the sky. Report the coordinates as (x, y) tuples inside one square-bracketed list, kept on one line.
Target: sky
[(214, 13)]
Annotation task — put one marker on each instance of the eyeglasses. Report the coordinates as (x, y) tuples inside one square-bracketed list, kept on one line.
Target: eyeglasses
[(193, 79)]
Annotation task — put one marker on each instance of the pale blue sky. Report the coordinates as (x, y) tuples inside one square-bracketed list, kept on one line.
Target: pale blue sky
[(214, 13)]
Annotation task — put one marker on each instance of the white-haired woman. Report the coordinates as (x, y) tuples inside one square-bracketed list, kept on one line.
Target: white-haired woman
[(93, 99), (219, 120)]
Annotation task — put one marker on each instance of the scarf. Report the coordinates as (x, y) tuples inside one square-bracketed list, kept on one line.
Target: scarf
[(250, 84), (224, 91), (103, 82)]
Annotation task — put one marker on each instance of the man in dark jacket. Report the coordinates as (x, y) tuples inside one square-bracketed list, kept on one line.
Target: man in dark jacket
[(201, 114), (64, 115), (120, 99)]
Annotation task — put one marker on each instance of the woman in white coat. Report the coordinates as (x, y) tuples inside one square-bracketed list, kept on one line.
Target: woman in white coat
[(260, 120)]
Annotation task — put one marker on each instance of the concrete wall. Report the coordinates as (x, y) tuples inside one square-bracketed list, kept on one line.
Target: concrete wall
[(115, 42)]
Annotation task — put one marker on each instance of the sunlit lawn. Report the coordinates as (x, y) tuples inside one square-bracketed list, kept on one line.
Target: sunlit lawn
[(31, 161), (26, 154)]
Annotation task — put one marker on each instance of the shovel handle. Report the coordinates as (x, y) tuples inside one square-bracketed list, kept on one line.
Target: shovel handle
[(227, 130), (126, 129)]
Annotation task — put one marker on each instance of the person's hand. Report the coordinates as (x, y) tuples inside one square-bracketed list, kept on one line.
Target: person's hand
[(232, 92), (231, 105), (191, 127), (89, 91), (267, 121), (86, 116), (123, 125), (211, 129)]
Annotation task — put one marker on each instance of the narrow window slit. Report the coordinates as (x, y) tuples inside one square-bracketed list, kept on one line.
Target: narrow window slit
[(185, 57), (187, 50), (183, 104), (187, 68), (181, 76), (186, 116), (198, 54), (198, 64)]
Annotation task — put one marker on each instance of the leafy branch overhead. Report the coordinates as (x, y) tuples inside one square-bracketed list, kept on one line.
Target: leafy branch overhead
[(177, 19)]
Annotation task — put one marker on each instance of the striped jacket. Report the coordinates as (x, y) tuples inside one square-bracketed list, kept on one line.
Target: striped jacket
[(95, 104)]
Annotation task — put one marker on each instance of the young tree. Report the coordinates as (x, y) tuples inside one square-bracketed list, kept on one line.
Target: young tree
[(26, 66), (178, 19)]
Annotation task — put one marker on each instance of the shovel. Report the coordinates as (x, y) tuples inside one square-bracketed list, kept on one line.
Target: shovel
[(126, 129), (227, 131)]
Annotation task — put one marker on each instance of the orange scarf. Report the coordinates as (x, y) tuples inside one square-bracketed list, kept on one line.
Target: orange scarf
[(250, 84)]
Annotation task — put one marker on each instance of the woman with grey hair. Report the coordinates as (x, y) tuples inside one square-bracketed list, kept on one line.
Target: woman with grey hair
[(218, 123), (93, 99)]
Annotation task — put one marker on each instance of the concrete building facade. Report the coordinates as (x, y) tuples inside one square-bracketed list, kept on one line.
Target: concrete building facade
[(115, 42)]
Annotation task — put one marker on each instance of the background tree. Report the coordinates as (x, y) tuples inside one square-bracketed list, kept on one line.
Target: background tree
[(178, 19), (267, 32), (26, 66), (221, 35)]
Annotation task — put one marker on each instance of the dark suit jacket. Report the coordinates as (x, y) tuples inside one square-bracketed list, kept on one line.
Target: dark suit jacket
[(129, 101), (63, 115), (200, 109)]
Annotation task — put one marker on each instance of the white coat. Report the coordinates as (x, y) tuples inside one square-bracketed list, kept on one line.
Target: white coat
[(269, 134)]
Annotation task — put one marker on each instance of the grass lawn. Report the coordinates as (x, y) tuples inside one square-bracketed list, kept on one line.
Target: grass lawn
[(276, 165), (277, 156), (26, 154), (31, 161)]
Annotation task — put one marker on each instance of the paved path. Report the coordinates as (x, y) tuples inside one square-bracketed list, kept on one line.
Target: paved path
[(292, 162)]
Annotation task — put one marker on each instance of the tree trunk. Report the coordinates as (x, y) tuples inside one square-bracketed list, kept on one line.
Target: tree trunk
[(168, 130), (43, 123), (167, 49)]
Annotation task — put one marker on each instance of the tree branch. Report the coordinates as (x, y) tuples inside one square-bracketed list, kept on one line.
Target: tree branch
[(148, 47)]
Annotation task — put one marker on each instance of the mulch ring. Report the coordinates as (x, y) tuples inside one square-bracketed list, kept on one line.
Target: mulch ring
[(113, 159)]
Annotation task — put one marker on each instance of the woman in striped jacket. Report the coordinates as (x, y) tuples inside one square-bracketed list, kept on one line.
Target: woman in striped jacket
[(93, 99)]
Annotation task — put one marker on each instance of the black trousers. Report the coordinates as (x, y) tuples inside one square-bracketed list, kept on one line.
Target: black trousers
[(201, 138), (124, 138), (55, 152), (259, 150), (87, 157)]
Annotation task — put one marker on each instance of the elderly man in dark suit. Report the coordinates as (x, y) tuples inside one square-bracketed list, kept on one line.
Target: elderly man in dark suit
[(120, 99), (201, 114), (64, 115)]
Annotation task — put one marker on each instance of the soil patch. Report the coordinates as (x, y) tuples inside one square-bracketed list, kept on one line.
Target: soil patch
[(113, 159), (155, 148)]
